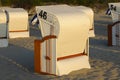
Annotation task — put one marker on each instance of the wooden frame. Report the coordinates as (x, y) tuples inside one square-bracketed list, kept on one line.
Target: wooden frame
[(109, 29), (20, 31)]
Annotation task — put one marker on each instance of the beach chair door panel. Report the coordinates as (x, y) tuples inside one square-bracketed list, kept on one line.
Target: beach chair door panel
[(48, 57)]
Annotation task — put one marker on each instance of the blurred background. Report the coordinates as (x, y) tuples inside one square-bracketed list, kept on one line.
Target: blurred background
[(28, 4)]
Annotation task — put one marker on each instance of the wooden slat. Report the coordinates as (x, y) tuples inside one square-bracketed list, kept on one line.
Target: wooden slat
[(47, 54), (19, 31), (37, 53), (71, 56), (48, 58), (37, 58), (50, 54), (109, 35), (48, 37), (114, 23), (91, 29)]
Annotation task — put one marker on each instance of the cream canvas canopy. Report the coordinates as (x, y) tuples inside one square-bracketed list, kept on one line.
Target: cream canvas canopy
[(17, 20), (115, 30), (88, 11), (3, 29), (65, 37)]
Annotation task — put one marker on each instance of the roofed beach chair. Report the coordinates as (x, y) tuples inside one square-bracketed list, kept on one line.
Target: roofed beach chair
[(64, 46), (114, 28), (17, 22)]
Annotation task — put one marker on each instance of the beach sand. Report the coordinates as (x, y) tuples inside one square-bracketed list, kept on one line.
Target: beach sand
[(17, 60)]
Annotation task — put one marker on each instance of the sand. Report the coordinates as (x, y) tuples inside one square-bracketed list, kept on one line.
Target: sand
[(16, 61)]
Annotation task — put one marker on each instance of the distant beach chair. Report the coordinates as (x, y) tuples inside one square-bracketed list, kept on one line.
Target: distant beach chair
[(114, 28), (17, 22), (3, 29), (64, 46)]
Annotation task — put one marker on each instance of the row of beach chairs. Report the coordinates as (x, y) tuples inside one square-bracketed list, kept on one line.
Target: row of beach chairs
[(65, 36), (65, 30)]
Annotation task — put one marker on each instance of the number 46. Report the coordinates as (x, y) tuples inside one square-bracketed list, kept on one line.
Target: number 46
[(43, 14)]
